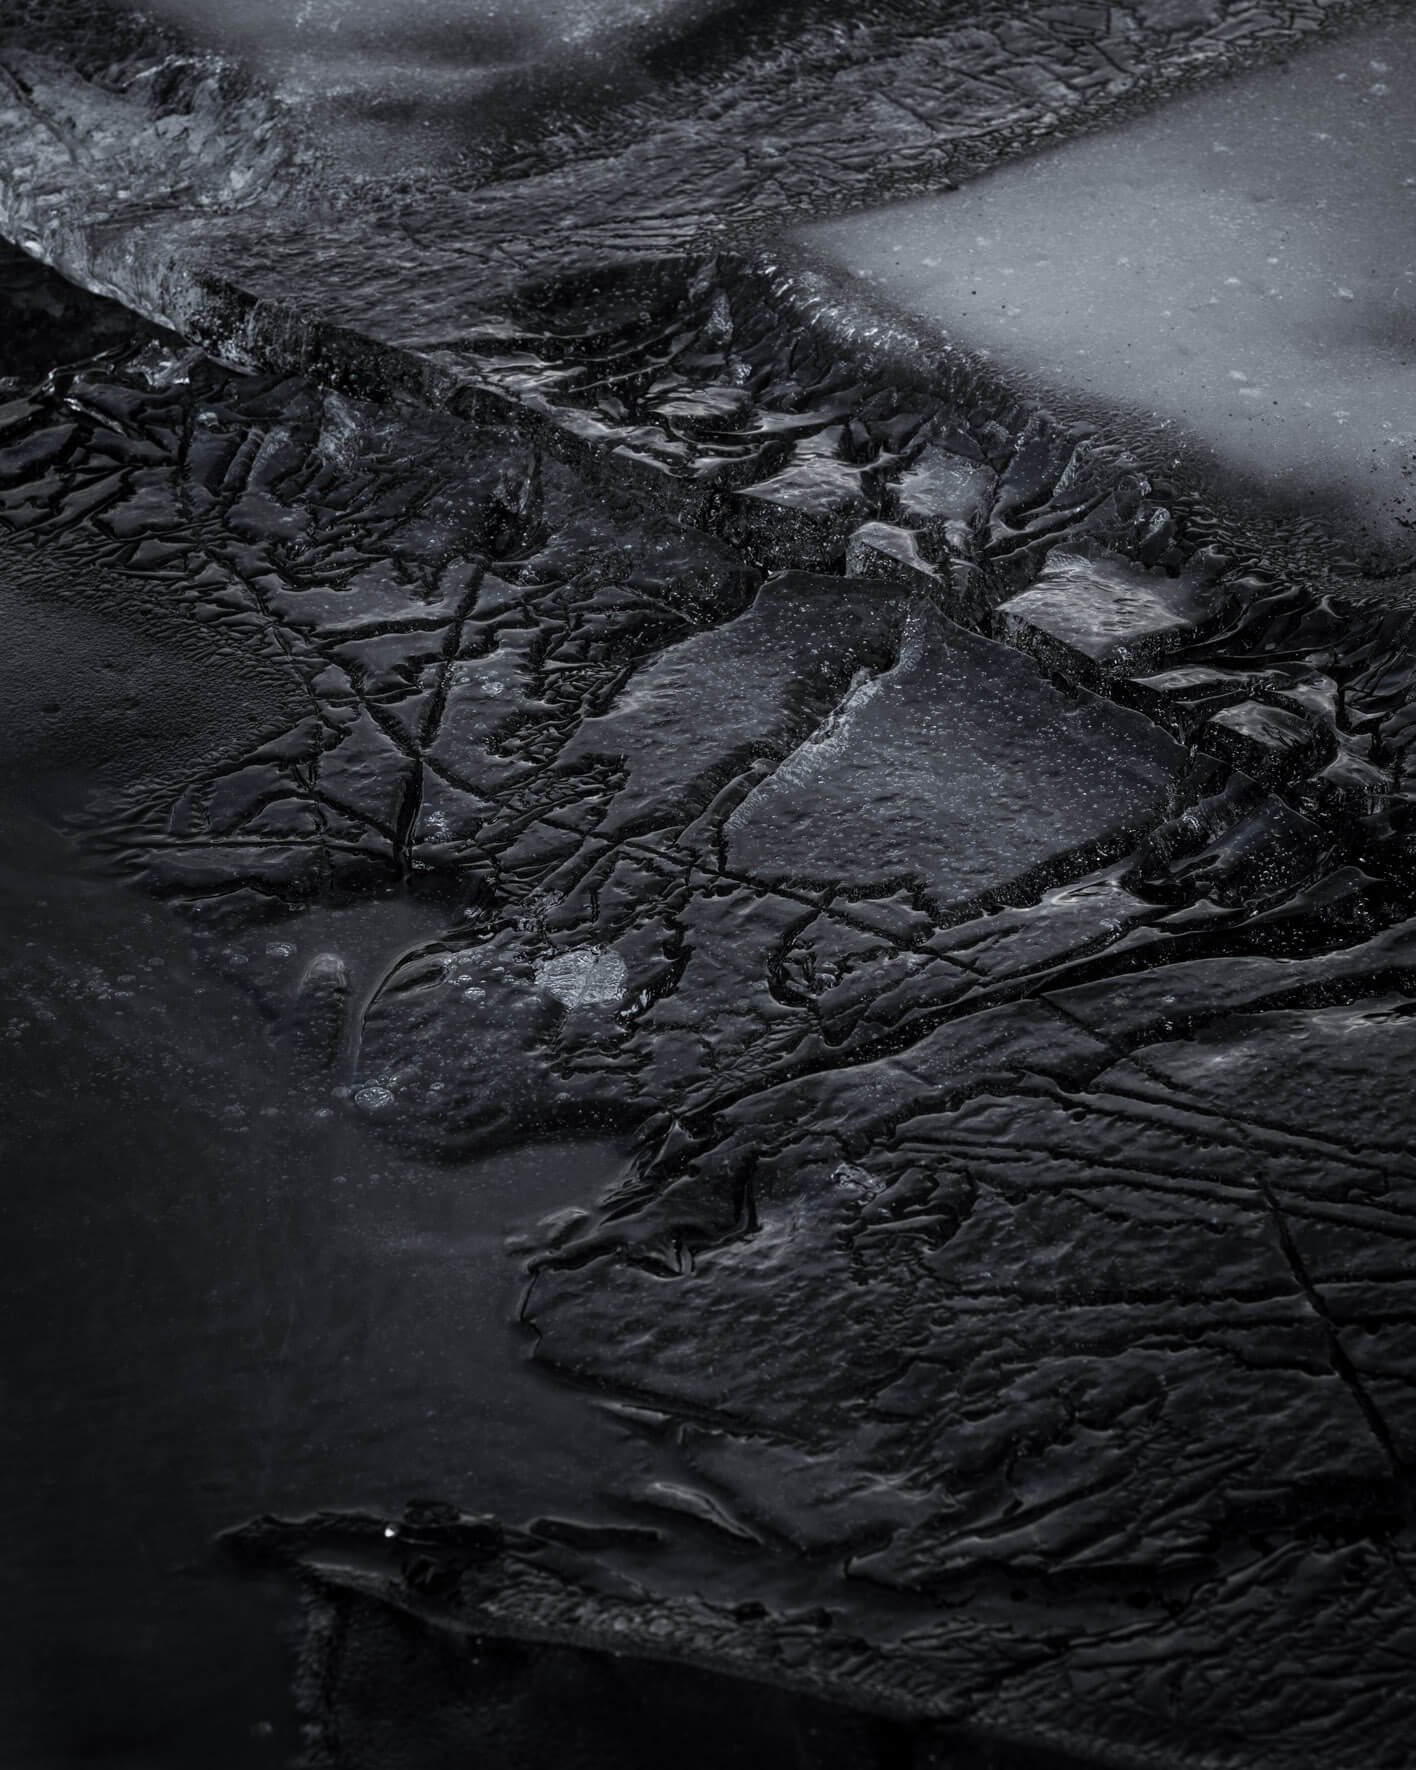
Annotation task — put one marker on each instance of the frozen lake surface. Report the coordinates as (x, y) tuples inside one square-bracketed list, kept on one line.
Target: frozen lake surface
[(1233, 275), (726, 1008)]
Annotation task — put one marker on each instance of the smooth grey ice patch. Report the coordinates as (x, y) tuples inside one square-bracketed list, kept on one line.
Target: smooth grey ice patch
[(1236, 272)]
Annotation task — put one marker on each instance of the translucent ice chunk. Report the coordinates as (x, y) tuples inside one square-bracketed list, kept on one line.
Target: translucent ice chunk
[(590, 974)]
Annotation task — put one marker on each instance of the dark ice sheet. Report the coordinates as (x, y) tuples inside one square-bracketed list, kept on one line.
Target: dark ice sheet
[(940, 1251), (962, 1277)]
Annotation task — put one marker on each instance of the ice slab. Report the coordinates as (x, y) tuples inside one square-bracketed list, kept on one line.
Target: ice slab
[(957, 770), (1101, 613), (1235, 273)]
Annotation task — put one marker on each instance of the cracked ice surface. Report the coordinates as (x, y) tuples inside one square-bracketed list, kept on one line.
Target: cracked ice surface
[(1009, 1256), (262, 216), (590, 974), (924, 907), (1243, 287)]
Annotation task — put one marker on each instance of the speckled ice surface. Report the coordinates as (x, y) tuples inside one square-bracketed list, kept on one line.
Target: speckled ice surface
[(1235, 273), (691, 986)]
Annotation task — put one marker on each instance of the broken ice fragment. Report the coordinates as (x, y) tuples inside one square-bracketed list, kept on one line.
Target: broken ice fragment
[(1350, 784), (1268, 743), (801, 515), (956, 771), (880, 550), (942, 488), (1189, 690), (590, 974), (705, 408), (1086, 615), (160, 366)]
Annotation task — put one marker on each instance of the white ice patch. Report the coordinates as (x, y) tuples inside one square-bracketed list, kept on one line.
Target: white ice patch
[(852, 1178), (339, 441), (159, 366), (590, 974)]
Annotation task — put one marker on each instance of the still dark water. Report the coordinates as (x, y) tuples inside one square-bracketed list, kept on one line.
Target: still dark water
[(222, 1298)]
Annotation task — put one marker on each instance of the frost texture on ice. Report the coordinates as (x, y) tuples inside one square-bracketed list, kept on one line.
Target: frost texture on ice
[(1241, 290), (584, 976)]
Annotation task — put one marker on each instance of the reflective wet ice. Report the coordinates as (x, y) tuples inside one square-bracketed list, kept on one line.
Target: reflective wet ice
[(707, 982)]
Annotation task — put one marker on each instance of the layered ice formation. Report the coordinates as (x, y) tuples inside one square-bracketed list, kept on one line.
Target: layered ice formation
[(705, 1001), (1232, 276)]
